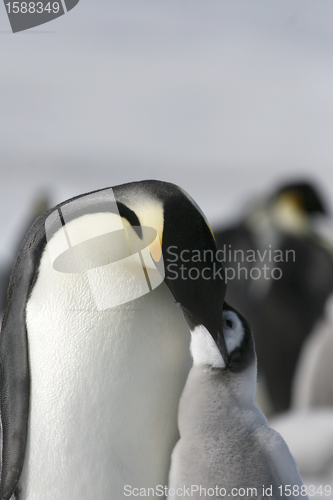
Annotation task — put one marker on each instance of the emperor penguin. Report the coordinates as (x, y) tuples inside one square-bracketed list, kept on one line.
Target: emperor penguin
[(226, 448), (279, 271), (94, 348)]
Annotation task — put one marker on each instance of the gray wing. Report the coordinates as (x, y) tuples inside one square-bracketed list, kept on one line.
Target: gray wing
[(14, 362)]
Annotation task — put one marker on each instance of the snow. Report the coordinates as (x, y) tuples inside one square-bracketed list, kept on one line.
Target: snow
[(309, 435)]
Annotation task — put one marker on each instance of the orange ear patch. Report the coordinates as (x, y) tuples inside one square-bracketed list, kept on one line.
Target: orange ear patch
[(155, 249)]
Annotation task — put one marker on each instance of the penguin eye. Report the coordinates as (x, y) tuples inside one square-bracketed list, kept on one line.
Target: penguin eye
[(229, 323)]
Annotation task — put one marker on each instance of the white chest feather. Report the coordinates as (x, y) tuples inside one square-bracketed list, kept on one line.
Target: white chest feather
[(105, 387)]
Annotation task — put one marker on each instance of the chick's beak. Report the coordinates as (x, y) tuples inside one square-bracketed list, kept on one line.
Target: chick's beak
[(222, 348)]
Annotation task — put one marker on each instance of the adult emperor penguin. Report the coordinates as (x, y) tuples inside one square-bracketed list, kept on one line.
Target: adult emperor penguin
[(226, 447), (280, 262), (94, 354)]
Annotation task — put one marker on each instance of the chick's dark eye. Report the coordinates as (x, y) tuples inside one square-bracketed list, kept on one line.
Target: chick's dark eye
[(228, 323)]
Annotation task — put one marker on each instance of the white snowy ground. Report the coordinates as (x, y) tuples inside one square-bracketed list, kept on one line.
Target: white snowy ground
[(224, 98)]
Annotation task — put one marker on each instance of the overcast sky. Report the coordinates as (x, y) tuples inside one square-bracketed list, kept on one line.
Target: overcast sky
[(223, 97)]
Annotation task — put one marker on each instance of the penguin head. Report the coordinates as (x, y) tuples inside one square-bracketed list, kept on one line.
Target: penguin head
[(127, 220), (238, 339), (293, 206), (303, 195), (192, 272)]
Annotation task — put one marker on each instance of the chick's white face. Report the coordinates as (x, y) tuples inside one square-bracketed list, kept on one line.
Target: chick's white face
[(233, 330)]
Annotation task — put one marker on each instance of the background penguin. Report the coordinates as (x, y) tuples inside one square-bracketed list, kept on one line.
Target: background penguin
[(89, 392), (308, 426), (313, 381), (225, 441), (281, 311)]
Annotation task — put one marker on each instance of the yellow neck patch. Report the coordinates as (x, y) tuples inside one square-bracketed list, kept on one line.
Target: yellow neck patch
[(150, 214)]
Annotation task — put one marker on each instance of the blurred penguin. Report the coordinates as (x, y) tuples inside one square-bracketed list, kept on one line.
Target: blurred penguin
[(313, 381), (280, 278), (308, 426)]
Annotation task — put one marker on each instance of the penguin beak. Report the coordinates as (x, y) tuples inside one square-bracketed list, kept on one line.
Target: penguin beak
[(217, 334), (199, 288), (222, 348)]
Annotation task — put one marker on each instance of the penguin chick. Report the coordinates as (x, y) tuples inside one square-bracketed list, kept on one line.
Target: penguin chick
[(226, 447)]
